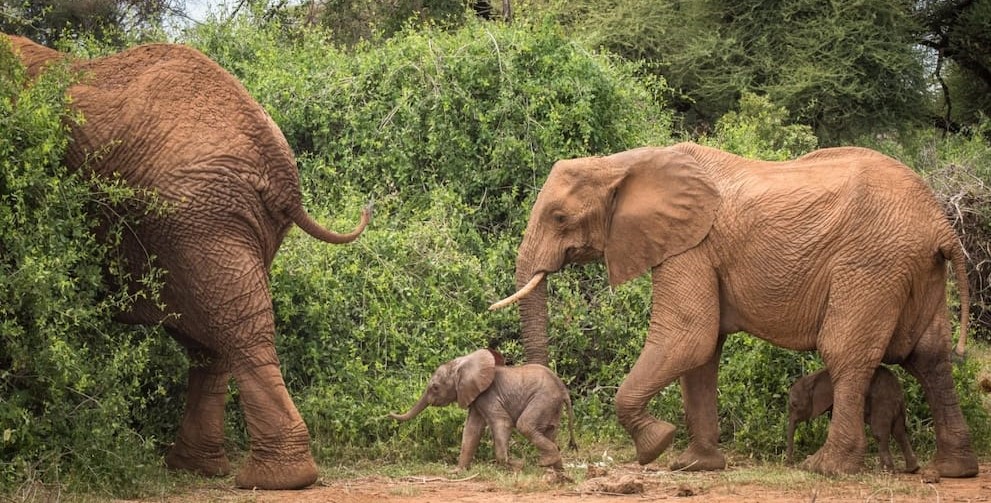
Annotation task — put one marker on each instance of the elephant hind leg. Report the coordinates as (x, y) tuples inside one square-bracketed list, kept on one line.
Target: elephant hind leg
[(542, 436), (852, 341), (235, 320), (699, 397), (199, 448), (930, 364), (280, 441)]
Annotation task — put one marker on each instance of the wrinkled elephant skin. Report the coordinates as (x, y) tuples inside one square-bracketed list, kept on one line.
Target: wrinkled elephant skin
[(884, 411), (843, 250), (528, 398), (166, 118)]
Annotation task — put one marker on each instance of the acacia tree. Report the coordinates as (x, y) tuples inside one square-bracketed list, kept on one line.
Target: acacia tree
[(959, 32), (841, 67), (46, 20)]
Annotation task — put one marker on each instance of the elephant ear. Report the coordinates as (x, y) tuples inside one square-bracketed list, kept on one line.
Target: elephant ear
[(663, 205), (475, 373)]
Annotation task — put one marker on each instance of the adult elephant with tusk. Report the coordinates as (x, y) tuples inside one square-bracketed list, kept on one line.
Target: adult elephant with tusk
[(843, 251)]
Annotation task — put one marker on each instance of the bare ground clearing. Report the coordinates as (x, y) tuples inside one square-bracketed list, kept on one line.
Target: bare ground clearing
[(758, 483)]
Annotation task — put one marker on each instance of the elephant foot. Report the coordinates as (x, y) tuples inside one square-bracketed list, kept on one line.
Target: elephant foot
[(551, 461), (557, 477), (911, 467), (212, 464), (276, 474), (653, 439), (960, 467), (698, 458), (831, 462)]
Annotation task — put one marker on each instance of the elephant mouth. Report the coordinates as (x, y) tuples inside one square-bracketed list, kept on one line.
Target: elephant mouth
[(582, 255), (522, 292)]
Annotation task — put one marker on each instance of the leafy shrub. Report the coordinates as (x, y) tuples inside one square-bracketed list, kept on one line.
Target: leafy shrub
[(758, 131), (71, 381), (451, 131), (484, 110), (363, 325)]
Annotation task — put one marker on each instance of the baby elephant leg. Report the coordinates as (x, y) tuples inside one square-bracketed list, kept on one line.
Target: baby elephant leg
[(470, 438), (542, 433), (900, 432), (502, 432), (882, 433)]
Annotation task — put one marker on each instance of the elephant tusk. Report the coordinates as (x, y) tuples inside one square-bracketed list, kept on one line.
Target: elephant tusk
[(522, 292)]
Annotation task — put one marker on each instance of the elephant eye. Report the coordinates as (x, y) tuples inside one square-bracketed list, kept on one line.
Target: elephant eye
[(560, 217)]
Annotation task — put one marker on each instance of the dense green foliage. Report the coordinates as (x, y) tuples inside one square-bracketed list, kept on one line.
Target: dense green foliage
[(450, 130), (959, 32), (71, 380), (484, 110), (841, 67)]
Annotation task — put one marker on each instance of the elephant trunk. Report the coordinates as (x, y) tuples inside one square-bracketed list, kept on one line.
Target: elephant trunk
[(533, 310), (533, 316), (413, 412), (531, 293)]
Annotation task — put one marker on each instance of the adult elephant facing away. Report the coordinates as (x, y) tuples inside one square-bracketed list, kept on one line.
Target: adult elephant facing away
[(843, 251), (166, 118)]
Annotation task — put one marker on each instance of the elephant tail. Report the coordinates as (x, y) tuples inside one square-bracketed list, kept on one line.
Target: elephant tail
[(571, 427), (953, 251), (308, 224), (571, 423)]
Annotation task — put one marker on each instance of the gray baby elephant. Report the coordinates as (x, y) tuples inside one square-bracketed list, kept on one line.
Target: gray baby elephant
[(527, 397), (884, 411)]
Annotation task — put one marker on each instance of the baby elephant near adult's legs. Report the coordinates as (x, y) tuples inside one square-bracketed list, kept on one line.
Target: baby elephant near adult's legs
[(884, 411), (528, 397)]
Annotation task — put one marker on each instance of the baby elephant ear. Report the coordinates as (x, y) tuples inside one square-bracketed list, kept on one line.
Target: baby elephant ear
[(663, 205), (475, 373)]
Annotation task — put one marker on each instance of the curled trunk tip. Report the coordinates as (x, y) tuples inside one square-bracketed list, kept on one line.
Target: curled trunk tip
[(413, 412)]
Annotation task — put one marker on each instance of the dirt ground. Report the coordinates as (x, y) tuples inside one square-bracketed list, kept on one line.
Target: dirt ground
[(622, 483)]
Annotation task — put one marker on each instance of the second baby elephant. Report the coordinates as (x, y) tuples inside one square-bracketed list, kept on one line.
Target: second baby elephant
[(884, 411), (527, 397)]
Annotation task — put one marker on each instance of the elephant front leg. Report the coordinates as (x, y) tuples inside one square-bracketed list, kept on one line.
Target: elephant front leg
[(900, 433), (199, 448), (650, 436), (698, 391), (472, 436), (683, 335)]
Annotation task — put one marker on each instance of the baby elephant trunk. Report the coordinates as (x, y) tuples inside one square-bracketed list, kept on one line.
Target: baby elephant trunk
[(417, 408)]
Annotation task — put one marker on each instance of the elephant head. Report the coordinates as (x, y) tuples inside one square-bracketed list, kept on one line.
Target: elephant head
[(462, 379), (633, 209), (811, 396)]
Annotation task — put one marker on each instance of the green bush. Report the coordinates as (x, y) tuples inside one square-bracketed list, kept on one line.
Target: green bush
[(363, 325), (484, 110), (451, 132), (71, 381), (758, 131)]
